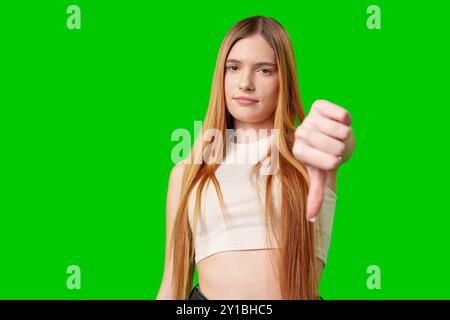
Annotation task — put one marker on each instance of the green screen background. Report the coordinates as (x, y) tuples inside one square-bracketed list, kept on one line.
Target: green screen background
[(86, 118)]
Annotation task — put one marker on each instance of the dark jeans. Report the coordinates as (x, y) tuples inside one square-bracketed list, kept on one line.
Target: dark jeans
[(196, 294)]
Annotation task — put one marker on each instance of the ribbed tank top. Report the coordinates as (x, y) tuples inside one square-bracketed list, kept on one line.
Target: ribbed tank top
[(243, 227)]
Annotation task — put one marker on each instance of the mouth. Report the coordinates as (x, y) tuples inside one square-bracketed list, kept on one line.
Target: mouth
[(246, 100)]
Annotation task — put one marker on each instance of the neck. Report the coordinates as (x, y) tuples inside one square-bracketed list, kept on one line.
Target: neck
[(260, 130)]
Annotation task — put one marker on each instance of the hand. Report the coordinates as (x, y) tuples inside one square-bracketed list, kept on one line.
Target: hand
[(323, 141)]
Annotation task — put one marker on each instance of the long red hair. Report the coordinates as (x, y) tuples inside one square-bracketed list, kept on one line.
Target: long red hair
[(297, 262)]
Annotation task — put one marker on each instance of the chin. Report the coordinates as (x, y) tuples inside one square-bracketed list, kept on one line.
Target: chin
[(247, 116)]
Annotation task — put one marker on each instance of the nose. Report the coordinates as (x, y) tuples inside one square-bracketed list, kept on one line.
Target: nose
[(246, 82)]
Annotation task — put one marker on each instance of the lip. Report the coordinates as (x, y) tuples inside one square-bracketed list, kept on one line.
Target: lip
[(245, 100)]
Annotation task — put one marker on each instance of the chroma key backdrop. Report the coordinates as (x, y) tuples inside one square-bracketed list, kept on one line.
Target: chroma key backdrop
[(91, 92)]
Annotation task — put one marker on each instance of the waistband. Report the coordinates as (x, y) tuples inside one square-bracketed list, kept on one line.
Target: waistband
[(196, 294)]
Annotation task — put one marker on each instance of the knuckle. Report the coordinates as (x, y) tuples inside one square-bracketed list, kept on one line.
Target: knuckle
[(311, 120), (345, 115), (334, 164), (346, 132), (341, 148), (301, 133), (298, 151), (316, 121), (316, 105), (320, 101)]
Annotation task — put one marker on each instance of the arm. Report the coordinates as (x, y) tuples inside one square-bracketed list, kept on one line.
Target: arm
[(323, 141), (320, 265), (173, 197), (331, 181)]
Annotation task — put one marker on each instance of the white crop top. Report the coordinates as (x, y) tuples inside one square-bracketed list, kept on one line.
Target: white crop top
[(245, 218)]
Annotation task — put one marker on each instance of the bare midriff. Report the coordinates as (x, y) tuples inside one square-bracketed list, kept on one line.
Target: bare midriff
[(240, 275)]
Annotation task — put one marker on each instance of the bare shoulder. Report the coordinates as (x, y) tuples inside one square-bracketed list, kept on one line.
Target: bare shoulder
[(177, 172), (174, 188)]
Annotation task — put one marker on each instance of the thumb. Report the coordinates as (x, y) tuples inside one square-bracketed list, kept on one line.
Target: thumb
[(316, 192)]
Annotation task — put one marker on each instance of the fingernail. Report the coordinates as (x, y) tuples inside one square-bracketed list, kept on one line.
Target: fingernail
[(311, 219)]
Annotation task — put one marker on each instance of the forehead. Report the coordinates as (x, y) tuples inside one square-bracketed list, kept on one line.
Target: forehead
[(252, 49)]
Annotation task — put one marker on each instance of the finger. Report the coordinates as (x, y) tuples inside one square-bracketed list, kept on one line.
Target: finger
[(325, 143), (316, 193), (332, 111), (331, 128), (314, 157)]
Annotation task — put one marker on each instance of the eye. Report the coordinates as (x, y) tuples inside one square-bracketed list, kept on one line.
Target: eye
[(232, 68), (265, 71)]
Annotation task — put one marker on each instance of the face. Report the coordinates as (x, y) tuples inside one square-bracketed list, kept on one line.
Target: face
[(251, 81)]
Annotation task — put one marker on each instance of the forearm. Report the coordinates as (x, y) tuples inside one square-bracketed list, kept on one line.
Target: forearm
[(331, 180)]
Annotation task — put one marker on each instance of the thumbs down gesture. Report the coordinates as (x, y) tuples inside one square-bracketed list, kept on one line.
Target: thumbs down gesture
[(323, 142)]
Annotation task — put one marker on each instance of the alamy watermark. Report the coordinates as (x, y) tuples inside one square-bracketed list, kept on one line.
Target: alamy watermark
[(264, 147), (73, 282), (374, 280), (74, 19), (374, 19)]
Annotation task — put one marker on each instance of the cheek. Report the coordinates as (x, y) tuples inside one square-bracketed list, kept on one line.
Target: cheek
[(270, 90), (228, 86)]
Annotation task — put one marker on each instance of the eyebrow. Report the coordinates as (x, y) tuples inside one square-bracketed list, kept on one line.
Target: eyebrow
[(256, 64)]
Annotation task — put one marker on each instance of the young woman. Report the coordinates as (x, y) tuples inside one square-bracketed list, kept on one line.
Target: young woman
[(250, 227)]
